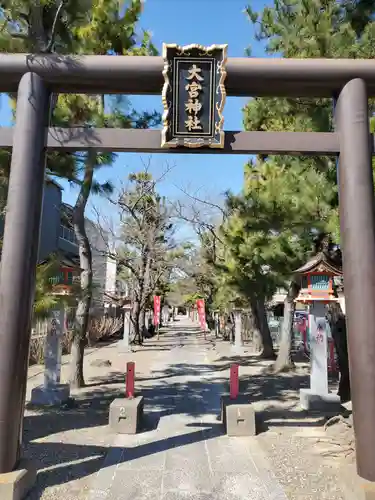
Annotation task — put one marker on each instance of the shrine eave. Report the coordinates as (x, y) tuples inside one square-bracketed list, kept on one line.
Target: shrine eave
[(321, 263), (310, 299), (65, 260)]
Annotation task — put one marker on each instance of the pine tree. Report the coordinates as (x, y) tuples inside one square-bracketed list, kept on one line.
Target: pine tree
[(323, 28), (270, 229), (102, 27)]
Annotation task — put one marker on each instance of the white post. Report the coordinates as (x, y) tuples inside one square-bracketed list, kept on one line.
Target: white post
[(318, 396), (238, 344), (318, 348), (165, 311), (342, 304)]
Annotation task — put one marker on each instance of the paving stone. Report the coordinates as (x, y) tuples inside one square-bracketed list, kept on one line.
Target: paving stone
[(183, 454), (226, 456), (189, 453), (195, 452), (136, 485), (190, 481), (133, 460), (182, 495), (238, 487)]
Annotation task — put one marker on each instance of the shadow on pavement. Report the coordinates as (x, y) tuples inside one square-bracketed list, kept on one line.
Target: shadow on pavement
[(274, 417), (167, 392), (91, 458), (194, 398)]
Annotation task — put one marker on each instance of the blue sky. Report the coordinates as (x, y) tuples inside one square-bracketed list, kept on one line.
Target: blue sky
[(187, 21)]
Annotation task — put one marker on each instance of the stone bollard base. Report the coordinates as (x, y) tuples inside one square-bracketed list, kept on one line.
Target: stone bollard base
[(50, 396), (15, 485), (238, 416), (124, 347), (237, 349), (325, 403), (125, 415)]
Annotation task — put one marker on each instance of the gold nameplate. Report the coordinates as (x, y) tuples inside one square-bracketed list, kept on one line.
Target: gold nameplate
[(193, 96)]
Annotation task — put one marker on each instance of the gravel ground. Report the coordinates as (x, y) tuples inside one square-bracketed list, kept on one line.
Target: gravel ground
[(69, 444), (289, 436), (302, 474)]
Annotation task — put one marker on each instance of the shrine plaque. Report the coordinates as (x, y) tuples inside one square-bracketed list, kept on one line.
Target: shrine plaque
[(193, 96)]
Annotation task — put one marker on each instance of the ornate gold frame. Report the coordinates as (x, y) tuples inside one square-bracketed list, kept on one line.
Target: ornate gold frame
[(219, 125)]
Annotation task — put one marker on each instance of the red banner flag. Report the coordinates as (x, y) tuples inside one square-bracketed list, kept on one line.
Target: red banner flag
[(201, 313), (156, 310)]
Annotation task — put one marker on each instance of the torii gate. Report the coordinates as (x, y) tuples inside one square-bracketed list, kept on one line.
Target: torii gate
[(34, 77)]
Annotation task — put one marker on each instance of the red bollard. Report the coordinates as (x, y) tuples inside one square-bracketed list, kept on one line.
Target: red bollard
[(234, 382), (130, 373)]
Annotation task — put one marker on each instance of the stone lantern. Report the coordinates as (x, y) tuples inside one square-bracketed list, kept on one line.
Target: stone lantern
[(316, 280), (52, 391)]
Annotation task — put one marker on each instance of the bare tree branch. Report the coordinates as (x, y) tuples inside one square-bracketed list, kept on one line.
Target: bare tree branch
[(204, 202), (53, 31), (200, 226), (154, 182), (110, 251)]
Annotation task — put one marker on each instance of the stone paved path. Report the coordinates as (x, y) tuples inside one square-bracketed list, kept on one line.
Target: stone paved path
[(182, 454)]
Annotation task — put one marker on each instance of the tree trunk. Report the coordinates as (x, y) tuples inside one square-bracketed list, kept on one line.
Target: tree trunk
[(37, 30), (210, 320), (338, 330), (142, 324), (254, 328), (284, 360), (139, 307), (208, 306), (162, 305), (267, 343), (76, 378), (135, 319)]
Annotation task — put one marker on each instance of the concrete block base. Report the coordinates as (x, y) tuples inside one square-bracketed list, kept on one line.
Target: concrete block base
[(16, 484), (241, 420), (238, 416), (325, 403), (125, 415), (50, 396)]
